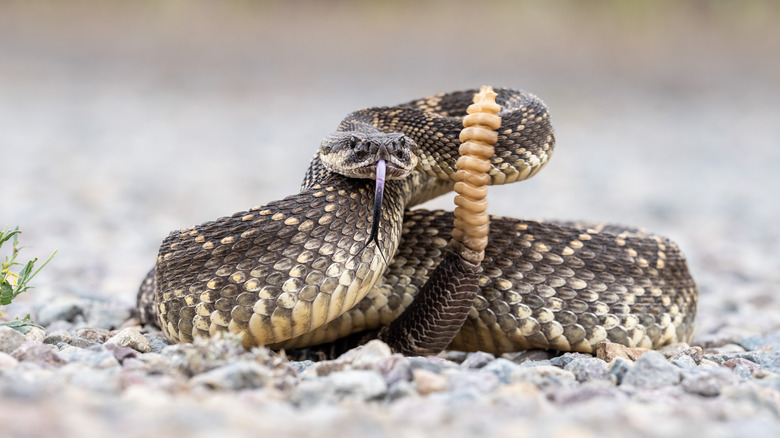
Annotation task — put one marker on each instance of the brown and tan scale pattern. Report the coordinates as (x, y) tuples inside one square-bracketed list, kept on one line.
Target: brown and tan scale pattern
[(554, 285), (298, 272)]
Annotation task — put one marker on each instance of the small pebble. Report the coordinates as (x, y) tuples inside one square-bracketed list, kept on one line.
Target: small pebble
[(564, 359), (130, 337), (618, 369), (66, 309), (156, 342), (58, 337), (234, 376), (587, 368), (359, 384), (35, 334), (742, 367), (92, 334), (469, 380), (105, 316), (395, 369), (652, 370), (41, 354), (426, 381), (529, 356), (684, 361), (544, 376), (501, 368), (10, 339), (607, 351), (7, 361), (707, 383), (751, 343), (368, 356), (93, 357), (477, 360)]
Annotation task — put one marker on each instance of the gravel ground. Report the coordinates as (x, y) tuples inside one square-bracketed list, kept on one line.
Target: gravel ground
[(119, 124)]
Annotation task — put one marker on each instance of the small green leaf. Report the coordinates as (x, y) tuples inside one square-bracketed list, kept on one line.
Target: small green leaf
[(27, 268), (23, 325), (6, 293)]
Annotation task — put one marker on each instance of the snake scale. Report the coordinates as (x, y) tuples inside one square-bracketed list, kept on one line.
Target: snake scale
[(307, 269)]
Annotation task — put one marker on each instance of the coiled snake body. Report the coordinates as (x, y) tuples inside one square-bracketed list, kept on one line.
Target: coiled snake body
[(301, 271)]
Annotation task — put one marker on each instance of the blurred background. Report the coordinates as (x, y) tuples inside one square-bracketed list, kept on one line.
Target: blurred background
[(121, 121)]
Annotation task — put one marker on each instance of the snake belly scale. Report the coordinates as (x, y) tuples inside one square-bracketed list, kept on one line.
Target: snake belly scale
[(298, 271)]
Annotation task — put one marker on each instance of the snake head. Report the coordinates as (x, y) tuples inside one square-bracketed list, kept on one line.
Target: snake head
[(356, 154)]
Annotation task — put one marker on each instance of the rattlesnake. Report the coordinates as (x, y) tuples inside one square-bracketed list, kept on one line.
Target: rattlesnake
[(302, 271)]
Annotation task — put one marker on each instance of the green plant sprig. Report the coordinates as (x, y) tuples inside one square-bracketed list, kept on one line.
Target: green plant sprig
[(14, 283)]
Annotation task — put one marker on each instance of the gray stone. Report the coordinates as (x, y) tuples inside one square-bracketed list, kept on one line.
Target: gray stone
[(299, 366), (708, 383), (107, 315), (94, 357), (395, 369), (370, 355), (684, 361), (544, 376), (695, 353), (477, 360), (767, 360), (427, 382), (121, 353), (670, 351), (82, 343), (312, 392), (430, 363), (58, 337), (43, 355), (240, 375), (401, 389), (469, 380), (453, 355), (726, 349), (130, 337), (773, 340), (96, 335), (7, 361), (742, 367), (564, 359), (652, 370), (772, 382), (35, 334), (501, 368), (68, 309), (10, 339), (96, 381), (587, 368), (521, 357), (157, 343), (360, 384), (573, 395), (751, 343), (618, 369), (536, 363)]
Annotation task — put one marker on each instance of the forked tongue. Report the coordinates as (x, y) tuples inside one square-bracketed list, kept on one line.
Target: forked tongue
[(380, 190)]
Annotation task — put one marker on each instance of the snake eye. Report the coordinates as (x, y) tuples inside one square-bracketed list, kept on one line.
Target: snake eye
[(352, 141), (402, 141)]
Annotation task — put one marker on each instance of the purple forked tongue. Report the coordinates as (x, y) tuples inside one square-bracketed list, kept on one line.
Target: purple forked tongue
[(380, 189)]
